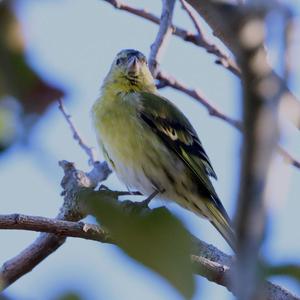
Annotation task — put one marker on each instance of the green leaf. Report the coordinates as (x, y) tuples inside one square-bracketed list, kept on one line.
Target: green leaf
[(290, 270), (20, 82), (154, 238), (9, 121), (69, 296)]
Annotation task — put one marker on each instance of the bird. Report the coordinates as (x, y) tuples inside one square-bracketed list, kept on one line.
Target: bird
[(151, 145)]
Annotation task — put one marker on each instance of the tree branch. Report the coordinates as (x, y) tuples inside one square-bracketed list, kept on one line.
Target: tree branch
[(202, 41), (73, 182), (88, 150), (215, 14), (221, 17), (170, 81), (261, 132), (162, 37), (209, 262), (288, 107), (56, 226), (182, 33), (30, 257), (185, 35)]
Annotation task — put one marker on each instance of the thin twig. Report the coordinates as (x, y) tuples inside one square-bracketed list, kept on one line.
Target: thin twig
[(204, 42), (88, 150), (215, 17), (288, 157), (185, 35), (180, 32), (220, 16), (168, 80), (195, 19), (162, 37)]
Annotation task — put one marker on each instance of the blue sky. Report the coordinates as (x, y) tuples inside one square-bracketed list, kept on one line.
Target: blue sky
[(72, 44)]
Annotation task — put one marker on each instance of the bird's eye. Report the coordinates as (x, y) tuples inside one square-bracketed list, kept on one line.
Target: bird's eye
[(144, 60), (119, 61)]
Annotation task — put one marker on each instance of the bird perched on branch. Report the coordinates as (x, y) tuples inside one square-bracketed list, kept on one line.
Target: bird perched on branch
[(151, 145)]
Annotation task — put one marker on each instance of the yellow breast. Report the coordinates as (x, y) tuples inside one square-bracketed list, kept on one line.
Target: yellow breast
[(118, 128)]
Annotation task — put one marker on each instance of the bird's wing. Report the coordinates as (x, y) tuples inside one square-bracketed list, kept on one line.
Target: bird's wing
[(176, 132)]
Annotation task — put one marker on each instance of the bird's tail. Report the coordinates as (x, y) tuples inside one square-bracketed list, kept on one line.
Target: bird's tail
[(220, 220)]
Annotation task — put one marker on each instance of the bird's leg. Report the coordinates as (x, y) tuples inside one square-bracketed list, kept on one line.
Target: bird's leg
[(103, 188), (153, 195), (130, 193)]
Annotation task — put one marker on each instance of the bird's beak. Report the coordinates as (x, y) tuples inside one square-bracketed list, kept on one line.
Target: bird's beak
[(134, 66)]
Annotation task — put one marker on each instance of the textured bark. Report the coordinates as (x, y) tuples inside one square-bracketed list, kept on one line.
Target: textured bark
[(73, 182)]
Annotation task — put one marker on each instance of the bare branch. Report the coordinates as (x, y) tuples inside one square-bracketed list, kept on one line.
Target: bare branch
[(187, 36), (73, 182), (182, 33), (59, 227), (289, 158), (289, 105), (195, 19), (30, 257), (212, 271), (215, 14), (221, 16), (203, 42), (88, 150), (168, 80), (162, 37)]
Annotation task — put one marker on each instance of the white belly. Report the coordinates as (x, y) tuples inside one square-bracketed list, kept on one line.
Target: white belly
[(134, 179)]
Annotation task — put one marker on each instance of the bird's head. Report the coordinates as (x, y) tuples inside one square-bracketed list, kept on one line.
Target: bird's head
[(130, 73)]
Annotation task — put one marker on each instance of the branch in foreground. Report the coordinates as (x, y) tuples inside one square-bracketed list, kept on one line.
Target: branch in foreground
[(162, 37), (56, 226), (73, 182), (208, 261), (261, 132), (30, 257), (222, 58)]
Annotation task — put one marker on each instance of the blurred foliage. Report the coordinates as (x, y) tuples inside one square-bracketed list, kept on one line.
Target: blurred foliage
[(4, 296), (69, 296), (154, 238), (19, 83), (289, 270)]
